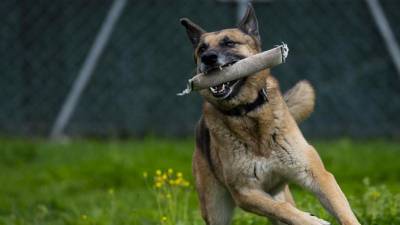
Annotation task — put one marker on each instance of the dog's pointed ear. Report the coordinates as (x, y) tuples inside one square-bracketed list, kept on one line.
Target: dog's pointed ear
[(193, 31), (249, 23)]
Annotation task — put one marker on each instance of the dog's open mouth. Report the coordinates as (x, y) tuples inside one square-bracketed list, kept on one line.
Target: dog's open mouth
[(224, 90)]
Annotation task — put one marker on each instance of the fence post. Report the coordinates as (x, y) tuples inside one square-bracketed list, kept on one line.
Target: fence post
[(87, 68), (386, 32)]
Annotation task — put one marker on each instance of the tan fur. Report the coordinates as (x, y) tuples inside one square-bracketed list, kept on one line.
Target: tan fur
[(253, 84), (300, 100), (248, 160)]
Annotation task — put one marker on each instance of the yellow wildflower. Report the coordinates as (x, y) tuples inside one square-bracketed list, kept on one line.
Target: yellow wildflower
[(170, 171), (375, 195), (145, 174), (158, 184), (163, 219), (158, 178), (158, 172), (179, 174)]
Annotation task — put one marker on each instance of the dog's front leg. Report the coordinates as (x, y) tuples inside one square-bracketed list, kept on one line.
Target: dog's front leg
[(323, 184), (259, 202)]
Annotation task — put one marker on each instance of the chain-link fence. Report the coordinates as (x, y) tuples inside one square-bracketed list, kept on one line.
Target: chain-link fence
[(334, 44)]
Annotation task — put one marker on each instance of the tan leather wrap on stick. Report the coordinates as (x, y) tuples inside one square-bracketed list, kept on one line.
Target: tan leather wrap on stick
[(240, 69)]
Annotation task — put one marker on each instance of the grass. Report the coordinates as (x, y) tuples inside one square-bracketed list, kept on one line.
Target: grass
[(97, 182)]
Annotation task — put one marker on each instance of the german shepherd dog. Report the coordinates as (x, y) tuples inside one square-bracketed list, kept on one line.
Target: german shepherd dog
[(248, 143)]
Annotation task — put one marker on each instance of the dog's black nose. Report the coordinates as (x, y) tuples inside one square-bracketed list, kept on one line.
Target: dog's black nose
[(209, 58)]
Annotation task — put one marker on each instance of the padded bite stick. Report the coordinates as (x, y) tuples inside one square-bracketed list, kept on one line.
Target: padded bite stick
[(240, 69)]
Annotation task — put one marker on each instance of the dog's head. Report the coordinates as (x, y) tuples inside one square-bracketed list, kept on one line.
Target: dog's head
[(215, 50)]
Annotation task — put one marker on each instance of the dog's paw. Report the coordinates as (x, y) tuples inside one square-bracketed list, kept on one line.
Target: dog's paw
[(313, 220), (321, 221)]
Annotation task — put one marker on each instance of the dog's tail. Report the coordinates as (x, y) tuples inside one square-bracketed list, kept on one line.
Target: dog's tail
[(300, 100)]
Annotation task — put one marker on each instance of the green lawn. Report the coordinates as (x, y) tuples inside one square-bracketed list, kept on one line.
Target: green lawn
[(101, 182)]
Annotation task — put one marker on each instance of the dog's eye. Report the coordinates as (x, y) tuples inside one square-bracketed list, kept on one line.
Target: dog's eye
[(229, 43), (202, 48)]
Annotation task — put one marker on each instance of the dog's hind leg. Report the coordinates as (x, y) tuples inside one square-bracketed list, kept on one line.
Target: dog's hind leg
[(282, 195), (215, 201), (285, 195)]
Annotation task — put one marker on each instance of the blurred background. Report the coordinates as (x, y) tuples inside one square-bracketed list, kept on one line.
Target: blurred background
[(146, 60)]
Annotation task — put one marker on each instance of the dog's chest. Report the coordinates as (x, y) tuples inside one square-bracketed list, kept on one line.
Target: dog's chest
[(248, 151), (242, 162)]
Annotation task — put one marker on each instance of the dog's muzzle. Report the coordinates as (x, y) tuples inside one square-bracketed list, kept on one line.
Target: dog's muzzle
[(211, 61)]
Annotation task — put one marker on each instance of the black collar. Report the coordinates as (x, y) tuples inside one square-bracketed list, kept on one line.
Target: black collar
[(241, 110)]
